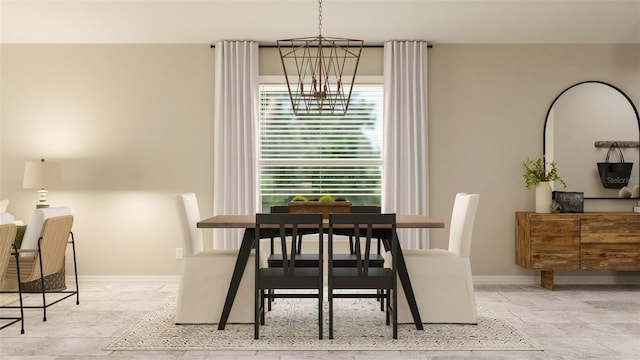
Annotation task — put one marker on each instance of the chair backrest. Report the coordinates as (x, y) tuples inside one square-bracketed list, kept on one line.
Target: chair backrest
[(462, 220), (6, 218), (283, 225), (34, 227), (192, 242), (366, 209), (53, 245), (361, 225), (280, 209), (7, 236)]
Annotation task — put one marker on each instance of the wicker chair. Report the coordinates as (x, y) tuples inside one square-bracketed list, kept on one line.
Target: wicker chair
[(7, 237), (47, 255)]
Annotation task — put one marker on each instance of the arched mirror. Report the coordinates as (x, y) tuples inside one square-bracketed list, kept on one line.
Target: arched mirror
[(581, 123)]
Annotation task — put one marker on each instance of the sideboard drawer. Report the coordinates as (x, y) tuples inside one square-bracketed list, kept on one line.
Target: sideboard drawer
[(610, 229), (619, 257), (555, 243), (610, 242)]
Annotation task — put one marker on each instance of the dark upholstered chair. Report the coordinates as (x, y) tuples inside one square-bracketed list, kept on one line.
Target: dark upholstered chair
[(289, 275), (363, 276), (348, 260), (275, 258)]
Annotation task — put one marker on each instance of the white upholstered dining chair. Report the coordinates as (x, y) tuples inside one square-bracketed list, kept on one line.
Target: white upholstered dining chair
[(441, 278), (206, 275)]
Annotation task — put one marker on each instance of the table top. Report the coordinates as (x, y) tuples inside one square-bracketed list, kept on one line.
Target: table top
[(249, 221)]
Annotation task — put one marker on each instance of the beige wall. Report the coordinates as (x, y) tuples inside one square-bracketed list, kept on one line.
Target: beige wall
[(132, 126), (487, 106)]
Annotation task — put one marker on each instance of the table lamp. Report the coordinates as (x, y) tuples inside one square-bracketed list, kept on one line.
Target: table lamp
[(41, 175)]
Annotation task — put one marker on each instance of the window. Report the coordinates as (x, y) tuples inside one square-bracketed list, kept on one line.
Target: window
[(321, 155)]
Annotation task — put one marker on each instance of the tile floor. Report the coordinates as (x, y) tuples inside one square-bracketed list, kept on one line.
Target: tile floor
[(572, 322)]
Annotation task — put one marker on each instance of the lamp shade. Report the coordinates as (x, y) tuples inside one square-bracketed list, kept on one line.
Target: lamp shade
[(41, 175)]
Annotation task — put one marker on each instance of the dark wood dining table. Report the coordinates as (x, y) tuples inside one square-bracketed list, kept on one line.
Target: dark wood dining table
[(248, 222)]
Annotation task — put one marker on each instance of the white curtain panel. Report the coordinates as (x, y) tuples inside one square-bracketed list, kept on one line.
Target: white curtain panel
[(235, 181), (405, 181)]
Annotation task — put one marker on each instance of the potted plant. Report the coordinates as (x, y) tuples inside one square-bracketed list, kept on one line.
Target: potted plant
[(325, 204), (539, 173)]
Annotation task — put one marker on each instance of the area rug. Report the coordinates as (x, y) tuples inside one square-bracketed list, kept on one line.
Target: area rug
[(291, 325)]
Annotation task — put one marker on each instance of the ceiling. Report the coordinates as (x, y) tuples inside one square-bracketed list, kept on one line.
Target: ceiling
[(375, 21)]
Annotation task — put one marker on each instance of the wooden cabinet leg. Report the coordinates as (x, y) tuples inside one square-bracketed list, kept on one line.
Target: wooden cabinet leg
[(546, 279)]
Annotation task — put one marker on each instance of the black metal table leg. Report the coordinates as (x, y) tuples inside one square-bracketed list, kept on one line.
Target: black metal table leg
[(403, 274), (243, 257)]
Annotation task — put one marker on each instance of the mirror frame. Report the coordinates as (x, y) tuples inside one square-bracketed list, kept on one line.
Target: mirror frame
[(544, 130)]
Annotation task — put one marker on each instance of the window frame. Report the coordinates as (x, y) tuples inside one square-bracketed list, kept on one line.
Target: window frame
[(374, 81)]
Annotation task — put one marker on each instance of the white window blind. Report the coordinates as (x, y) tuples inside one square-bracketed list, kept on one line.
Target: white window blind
[(321, 155)]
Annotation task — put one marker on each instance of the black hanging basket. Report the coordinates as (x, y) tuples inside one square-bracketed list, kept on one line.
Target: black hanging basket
[(614, 175)]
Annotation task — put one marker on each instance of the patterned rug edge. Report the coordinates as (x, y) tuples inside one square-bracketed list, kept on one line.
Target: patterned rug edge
[(522, 342)]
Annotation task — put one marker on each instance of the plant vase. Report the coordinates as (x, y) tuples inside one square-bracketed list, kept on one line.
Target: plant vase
[(543, 197), (325, 208)]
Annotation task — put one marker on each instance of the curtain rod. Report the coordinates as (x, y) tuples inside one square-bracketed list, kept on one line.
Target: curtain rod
[(429, 46)]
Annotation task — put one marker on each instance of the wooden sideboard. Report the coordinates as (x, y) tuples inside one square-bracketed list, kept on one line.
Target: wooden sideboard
[(577, 241)]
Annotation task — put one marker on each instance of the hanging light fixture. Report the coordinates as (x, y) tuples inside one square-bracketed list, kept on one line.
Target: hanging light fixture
[(325, 69)]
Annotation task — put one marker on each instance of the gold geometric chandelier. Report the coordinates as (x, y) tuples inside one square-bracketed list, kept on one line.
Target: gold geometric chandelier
[(325, 68)]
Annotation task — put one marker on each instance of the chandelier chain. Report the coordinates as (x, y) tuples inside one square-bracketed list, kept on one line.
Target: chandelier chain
[(320, 17)]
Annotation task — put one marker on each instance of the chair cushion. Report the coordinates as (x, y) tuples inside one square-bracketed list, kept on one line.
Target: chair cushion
[(348, 278), (34, 227), (349, 260), (6, 218), (20, 229), (4, 203), (302, 260)]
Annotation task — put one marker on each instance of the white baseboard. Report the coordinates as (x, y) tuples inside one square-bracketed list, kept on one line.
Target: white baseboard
[(125, 278), (632, 278), (505, 279)]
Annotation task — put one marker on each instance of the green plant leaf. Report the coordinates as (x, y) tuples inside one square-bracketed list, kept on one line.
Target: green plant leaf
[(326, 198), (535, 171)]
